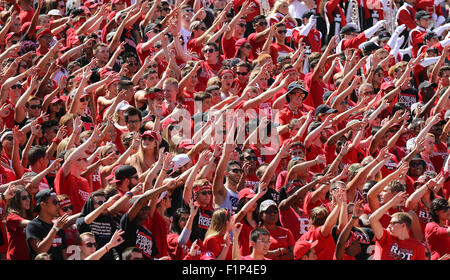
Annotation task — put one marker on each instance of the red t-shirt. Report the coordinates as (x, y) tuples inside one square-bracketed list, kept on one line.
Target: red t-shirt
[(159, 229), (17, 244), (77, 188), (256, 46), (391, 248), (325, 247), (229, 46), (298, 224), (438, 239), (315, 89), (176, 251), (281, 238), (215, 245)]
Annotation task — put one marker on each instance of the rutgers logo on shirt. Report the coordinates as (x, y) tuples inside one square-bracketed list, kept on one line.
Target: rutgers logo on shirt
[(57, 241), (304, 225), (203, 221), (96, 178), (144, 243), (424, 217), (84, 195), (400, 253)]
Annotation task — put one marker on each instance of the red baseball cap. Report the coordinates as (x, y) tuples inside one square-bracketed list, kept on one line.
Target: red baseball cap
[(91, 4), (241, 42), (43, 32), (167, 121), (206, 186), (246, 193), (150, 133), (186, 144), (386, 85), (302, 247)]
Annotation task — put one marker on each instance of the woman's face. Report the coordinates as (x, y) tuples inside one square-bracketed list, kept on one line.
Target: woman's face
[(270, 216), (113, 150), (416, 168), (429, 144), (283, 8), (25, 200), (148, 142), (183, 219), (227, 81), (378, 77)]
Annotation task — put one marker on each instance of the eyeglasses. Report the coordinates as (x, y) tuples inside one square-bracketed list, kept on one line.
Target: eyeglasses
[(206, 192), (242, 73), (34, 107), (395, 222), (247, 46), (251, 158), (133, 63), (209, 50), (189, 10), (236, 170), (61, 6), (282, 31), (25, 197), (82, 99), (264, 241), (154, 65), (66, 208), (90, 244)]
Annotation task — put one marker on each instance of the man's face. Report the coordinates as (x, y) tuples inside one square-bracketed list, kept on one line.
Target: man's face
[(262, 244), (296, 98), (297, 153), (215, 97), (170, 91), (152, 80), (416, 168), (445, 78), (280, 33), (133, 123), (240, 27), (210, 54), (133, 64), (34, 108), (102, 54), (260, 25), (51, 132), (204, 197), (88, 245), (251, 159), (136, 256), (51, 206), (424, 22), (234, 174), (187, 14)]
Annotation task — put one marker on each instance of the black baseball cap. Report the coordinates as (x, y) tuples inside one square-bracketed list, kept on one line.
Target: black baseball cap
[(422, 14), (122, 172), (348, 29), (384, 35), (42, 196), (426, 84), (293, 86), (324, 109), (368, 47)]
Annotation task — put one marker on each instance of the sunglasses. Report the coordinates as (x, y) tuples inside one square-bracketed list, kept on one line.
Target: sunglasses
[(154, 65), (16, 87), (241, 24), (147, 139), (242, 73), (271, 211), (236, 170), (165, 9), (66, 208), (395, 222), (251, 158), (415, 164), (189, 10), (25, 197), (82, 99), (209, 50), (34, 107), (366, 93), (91, 244), (282, 31), (206, 192)]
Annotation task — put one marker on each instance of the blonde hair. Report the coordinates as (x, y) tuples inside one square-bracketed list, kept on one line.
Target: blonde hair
[(277, 5), (218, 222)]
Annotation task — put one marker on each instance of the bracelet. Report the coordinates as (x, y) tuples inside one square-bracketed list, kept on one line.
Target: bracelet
[(354, 217), (106, 247), (56, 228), (130, 194)]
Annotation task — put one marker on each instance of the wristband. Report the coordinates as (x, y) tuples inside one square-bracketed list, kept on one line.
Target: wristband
[(130, 194), (106, 247), (354, 217), (56, 140), (56, 228), (40, 120), (2, 196)]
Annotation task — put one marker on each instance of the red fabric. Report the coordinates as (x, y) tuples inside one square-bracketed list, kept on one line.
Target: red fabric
[(17, 244), (77, 188), (325, 247), (437, 238), (281, 238), (391, 248), (215, 245), (159, 229), (176, 251), (298, 224)]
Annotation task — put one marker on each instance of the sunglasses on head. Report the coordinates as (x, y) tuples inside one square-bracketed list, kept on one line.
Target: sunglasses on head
[(66, 208), (91, 244), (35, 107)]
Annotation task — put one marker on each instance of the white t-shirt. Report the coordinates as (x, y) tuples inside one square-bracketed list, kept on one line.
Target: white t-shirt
[(231, 201), (297, 9)]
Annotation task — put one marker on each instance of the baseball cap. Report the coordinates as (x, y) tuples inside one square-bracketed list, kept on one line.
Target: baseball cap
[(293, 86), (179, 161), (54, 12), (6, 134), (186, 144), (154, 92), (326, 94), (282, 57), (122, 106), (205, 186), (384, 35), (167, 121), (241, 42), (324, 109), (121, 172), (422, 14), (301, 247), (417, 157), (150, 133), (426, 84), (266, 204), (42, 196), (387, 84), (246, 193), (368, 47), (10, 35), (348, 29)]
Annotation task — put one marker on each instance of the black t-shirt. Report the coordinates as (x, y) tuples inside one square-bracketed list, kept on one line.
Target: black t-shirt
[(38, 229), (201, 223), (137, 236), (366, 239), (408, 97)]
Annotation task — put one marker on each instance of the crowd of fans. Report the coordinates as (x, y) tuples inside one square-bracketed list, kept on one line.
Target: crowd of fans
[(229, 130)]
